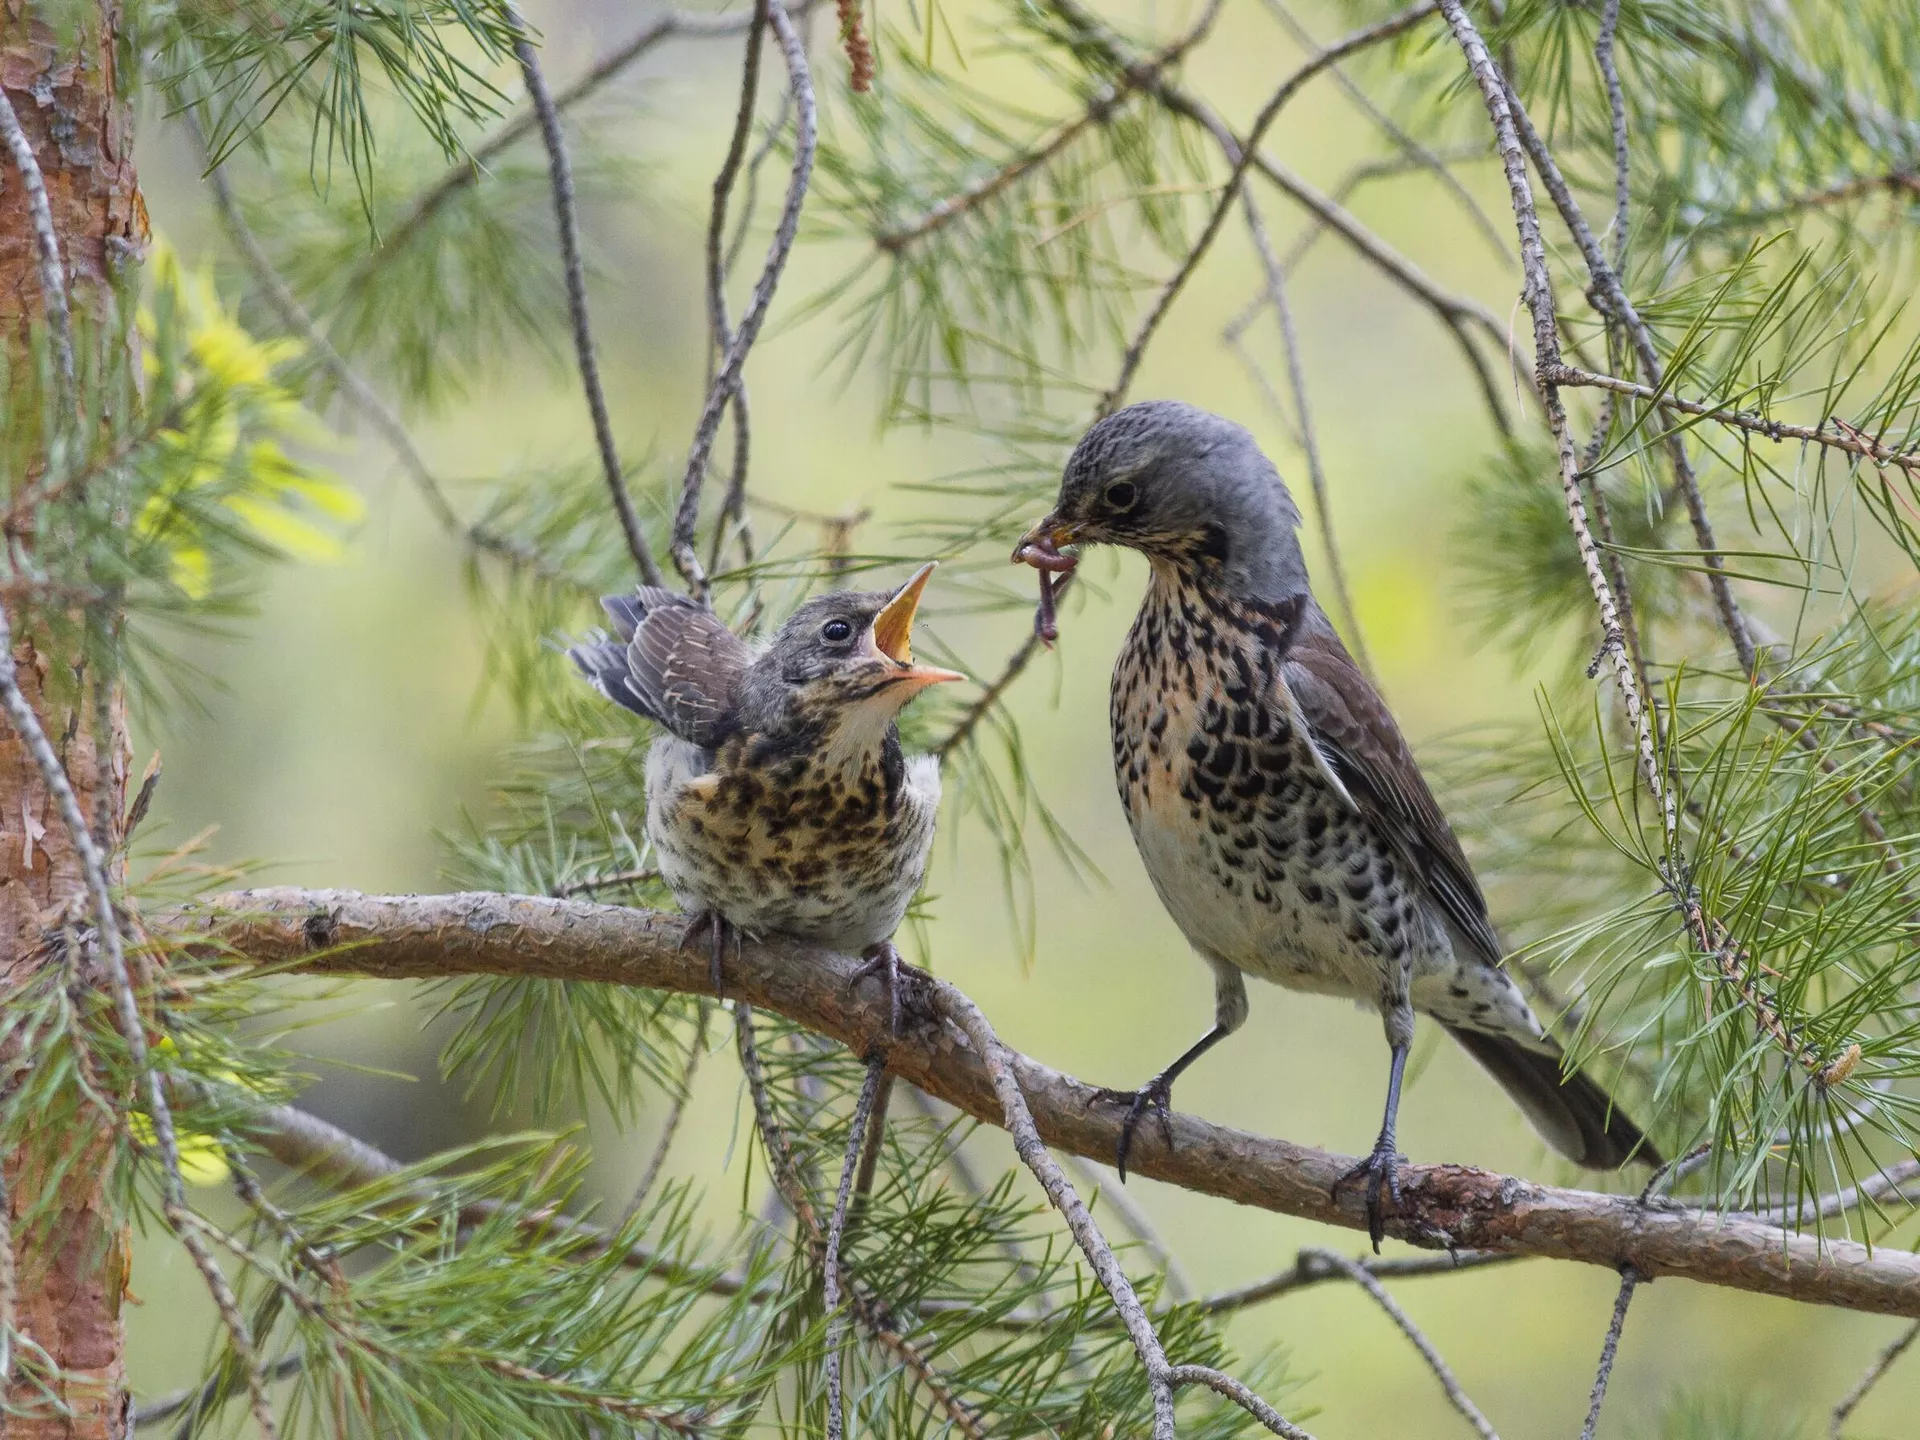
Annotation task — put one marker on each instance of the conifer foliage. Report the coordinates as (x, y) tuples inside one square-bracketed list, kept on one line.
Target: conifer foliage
[(1700, 463)]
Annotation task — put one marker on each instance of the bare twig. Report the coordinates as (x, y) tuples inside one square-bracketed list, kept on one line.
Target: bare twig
[(1882, 1362), (435, 936), (836, 1230), (1132, 79), (93, 865), (296, 321), (1367, 1281), (727, 378), (53, 273), (1629, 1279), (200, 1397), (1224, 1384), (1316, 471), (686, 518), (674, 25), (1359, 40), (1139, 1224), (671, 1124), (961, 1012), (560, 174), (1311, 1269), (1603, 42), (586, 885), (997, 687), (1842, 436)]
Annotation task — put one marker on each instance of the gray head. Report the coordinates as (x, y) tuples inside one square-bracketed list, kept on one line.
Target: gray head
[(1187, 489)]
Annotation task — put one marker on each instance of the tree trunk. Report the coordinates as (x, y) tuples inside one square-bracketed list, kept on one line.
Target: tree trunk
[(68, 1277)]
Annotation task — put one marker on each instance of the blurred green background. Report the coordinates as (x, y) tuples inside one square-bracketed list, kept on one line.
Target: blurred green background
[(350, 722)]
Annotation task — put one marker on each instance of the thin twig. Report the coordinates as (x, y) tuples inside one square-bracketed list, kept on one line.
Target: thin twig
[(1139, 1224), (836, 1230), (1603, 43), (727, 378), (1303, 414), (1843, 436), (1223, 1384), (93, 865), (686, 518), (201, 1396), (296, 321), (587, 884), (1310, 1269), (1365, 1279), (1132, 79), (53, 273), (1629, 1279), (1882, 1362), (972, 1022), (671, 1124), (990, 696), (566, 220), (1249, 148)]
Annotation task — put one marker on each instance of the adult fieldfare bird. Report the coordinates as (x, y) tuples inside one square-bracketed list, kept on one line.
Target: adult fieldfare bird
[(779, 800), (1278, 810)]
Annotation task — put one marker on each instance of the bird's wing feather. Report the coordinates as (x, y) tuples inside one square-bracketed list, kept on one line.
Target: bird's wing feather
[(1356, 733), (679, 667)]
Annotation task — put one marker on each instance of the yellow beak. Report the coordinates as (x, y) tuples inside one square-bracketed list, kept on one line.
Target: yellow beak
[(893, 632)]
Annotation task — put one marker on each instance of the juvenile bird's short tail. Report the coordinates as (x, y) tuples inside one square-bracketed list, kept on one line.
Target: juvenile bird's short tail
[(1572, 1113)]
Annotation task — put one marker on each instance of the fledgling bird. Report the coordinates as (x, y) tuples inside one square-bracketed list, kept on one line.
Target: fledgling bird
[(779, 800), (1279, 812)]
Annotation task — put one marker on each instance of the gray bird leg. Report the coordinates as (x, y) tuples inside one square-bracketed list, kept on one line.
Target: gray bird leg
[(883, 960), (719, 930), (1382, 1168), (1156, 1096)]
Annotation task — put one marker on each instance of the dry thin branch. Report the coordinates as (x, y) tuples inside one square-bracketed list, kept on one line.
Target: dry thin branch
[(1223, 1384), (674, 25), (1445, 1206), (93, 865), (1629, 1280), (1367, 1281), (590, 883), (1843, 436), (296, 321), (686, 518), (53, 273), (202, 1396), (836, 1232), (1132, 79), (1139, 1225), (1276, 290), (990, 695), (727, 378), (1882, 1362), (1249, 149), (670, 1126), (560, 173), (1310, 1268)]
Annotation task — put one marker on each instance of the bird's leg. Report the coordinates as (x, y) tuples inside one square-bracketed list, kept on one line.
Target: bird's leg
[(1382, 1167), (883, 960), (1156, 1096), (719, 931)]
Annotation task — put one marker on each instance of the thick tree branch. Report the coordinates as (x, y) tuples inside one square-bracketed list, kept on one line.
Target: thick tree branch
[(1446, 1206)]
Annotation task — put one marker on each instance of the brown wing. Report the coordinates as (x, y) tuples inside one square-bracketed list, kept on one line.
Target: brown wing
[(1356, 733), (680, 666)]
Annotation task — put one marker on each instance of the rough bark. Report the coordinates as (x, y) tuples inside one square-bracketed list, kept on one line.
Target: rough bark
[(70, 1274), (396, 937)]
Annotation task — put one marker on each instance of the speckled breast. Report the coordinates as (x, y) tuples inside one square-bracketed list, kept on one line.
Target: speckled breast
[(1259, 860)]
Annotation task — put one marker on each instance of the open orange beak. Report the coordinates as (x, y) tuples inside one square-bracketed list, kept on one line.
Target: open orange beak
[(893, 633)]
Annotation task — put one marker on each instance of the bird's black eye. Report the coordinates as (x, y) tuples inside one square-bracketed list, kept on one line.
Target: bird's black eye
[(1120, 495), (836, 632)]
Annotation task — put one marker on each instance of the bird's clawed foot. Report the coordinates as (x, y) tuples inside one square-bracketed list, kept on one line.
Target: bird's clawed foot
[(1155, 1098), (883, 960), (720, 932), (1381, 1171)]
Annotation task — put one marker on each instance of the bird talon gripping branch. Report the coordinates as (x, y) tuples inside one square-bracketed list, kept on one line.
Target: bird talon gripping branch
[(779, 800)]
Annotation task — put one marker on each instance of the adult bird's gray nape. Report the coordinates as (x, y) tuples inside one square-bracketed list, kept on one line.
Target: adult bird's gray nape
[(1279, 812), (779, 800)]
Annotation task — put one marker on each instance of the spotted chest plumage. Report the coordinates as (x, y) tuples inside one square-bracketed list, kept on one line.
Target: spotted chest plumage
[(781, 840), (1250, 841)]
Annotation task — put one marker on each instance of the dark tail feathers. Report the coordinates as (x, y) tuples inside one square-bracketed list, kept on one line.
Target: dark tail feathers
[(1572, 1113)]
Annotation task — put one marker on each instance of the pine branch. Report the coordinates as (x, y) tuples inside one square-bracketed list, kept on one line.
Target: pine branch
[(560, 174), (398, 937), (836, 1233), (1311, 1268)]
